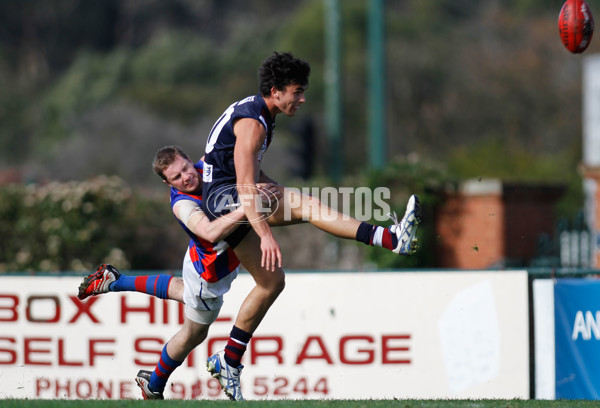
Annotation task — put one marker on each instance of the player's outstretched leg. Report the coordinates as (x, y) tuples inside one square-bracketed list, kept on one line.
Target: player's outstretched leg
[(406, 229), (143, 381), (108, 279), (98, 282), (228, 376), (400, 237)]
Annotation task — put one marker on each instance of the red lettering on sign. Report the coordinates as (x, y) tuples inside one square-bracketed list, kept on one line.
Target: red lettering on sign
[(62, 390), (84, 308), (273, 352), (125, 390), (94, 353), (12, 308), (12, 354), (104, 390), (165, 311), (29, 351), (83, 389), (386, 349), (370, 353), (61, 356), (154, 351), (41, 384), (324, 355), (211, 342), (125, 309), (32, 299)]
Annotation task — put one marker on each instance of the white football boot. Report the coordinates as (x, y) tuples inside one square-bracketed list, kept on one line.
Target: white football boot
[(406, 228), (228, 376)]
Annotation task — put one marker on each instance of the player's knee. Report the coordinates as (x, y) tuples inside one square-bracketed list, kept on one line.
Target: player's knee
[(280, 284), (276, 284)]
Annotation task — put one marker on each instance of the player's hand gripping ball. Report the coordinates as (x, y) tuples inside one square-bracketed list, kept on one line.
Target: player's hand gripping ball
[(576, 25)]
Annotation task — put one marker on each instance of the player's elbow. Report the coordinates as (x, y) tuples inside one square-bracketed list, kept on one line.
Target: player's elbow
[(214, 236), (209, 234)]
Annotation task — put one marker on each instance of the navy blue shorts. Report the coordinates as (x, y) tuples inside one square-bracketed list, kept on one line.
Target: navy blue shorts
[(236, 236)]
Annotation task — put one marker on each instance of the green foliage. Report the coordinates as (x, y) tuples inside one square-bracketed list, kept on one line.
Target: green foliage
[(175, 58), (75, 226), (494, 159), (457, 71), (16, 126), (16, 115), (173, 75), (406, 176), (168, 76), (466, 85), (93, 79), (304, 36)]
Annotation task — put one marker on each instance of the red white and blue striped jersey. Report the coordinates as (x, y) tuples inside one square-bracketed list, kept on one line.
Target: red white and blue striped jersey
[(212, 261)]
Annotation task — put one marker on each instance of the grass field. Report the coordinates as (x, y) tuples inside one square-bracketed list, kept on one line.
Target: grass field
[(19, 403)]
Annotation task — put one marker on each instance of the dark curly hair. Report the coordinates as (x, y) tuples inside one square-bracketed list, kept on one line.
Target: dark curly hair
[(281, 70)]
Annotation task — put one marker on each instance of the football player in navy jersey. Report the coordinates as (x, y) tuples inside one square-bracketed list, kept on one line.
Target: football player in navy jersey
[(234, 151)]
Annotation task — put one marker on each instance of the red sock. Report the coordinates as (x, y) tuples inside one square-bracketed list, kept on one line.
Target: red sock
[(376, 236)]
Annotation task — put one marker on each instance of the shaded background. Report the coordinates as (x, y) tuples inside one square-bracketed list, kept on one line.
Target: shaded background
[(474, 89)]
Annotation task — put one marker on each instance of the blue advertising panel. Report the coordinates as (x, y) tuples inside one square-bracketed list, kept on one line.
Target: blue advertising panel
[(577, 338)]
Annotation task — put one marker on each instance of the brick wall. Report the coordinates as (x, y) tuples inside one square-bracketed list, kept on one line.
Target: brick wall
[(592, 179), (490, 224)]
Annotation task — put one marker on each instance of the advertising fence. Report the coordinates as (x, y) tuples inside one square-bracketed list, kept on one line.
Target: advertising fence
[(567, 338), (329, 335)]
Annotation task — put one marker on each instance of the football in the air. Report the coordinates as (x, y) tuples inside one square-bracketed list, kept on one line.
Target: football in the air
[(576, 25)]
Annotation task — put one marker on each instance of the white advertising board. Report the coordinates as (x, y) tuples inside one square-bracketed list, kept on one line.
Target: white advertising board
[(356, 335)]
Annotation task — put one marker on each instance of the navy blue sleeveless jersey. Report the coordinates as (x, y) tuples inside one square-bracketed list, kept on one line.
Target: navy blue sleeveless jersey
[(219, 179), (212, 261)]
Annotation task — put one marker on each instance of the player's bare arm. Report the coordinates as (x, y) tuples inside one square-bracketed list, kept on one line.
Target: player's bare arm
[(190, 214), (250, 136)]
